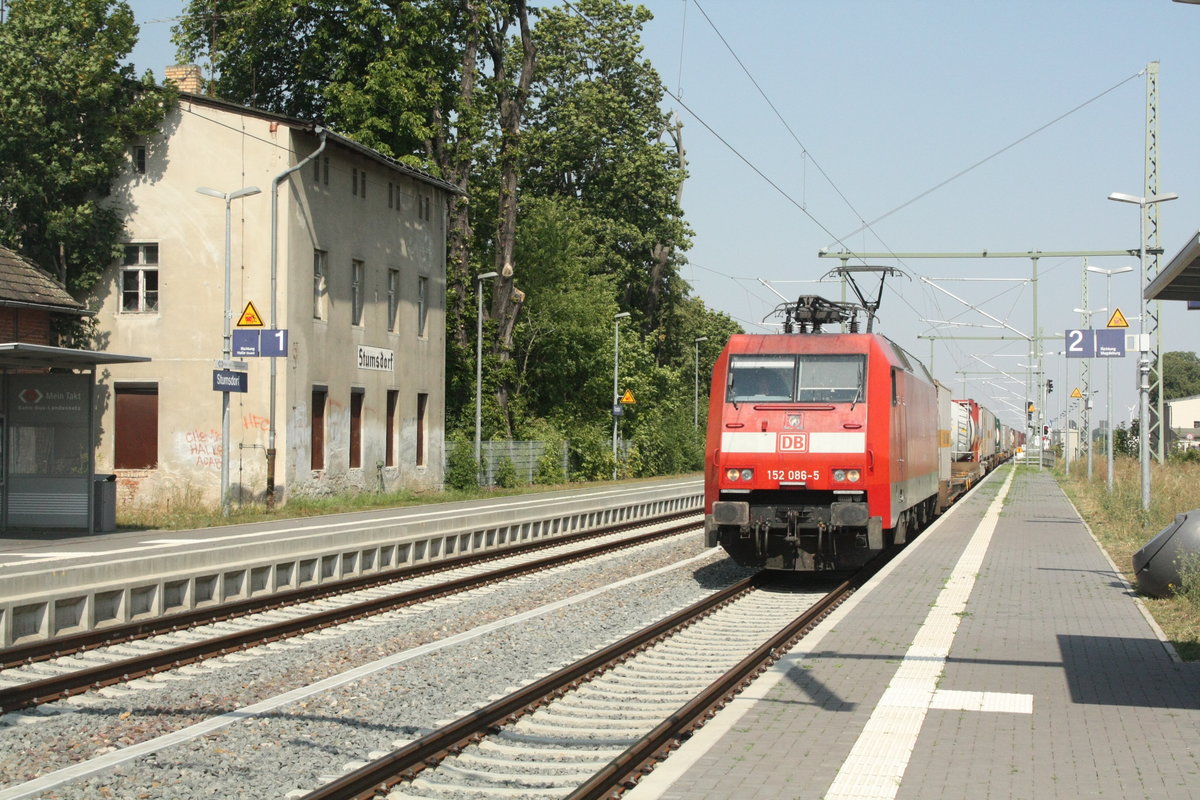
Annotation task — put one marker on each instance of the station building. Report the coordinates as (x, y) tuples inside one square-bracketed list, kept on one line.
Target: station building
[(336, 299)]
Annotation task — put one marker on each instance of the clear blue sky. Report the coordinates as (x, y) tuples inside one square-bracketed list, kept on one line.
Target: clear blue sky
[(891, 99)]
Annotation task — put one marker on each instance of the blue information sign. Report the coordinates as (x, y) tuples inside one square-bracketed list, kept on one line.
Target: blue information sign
[(245, 343), (1110, 343), (1081, 344), (1103, 343), (267, 343), (225, 380)]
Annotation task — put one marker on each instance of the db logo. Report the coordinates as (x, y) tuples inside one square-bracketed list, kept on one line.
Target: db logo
[(793, 442)]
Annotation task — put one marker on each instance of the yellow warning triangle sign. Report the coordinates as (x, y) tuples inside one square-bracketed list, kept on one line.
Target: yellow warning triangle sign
[(1117, 320), (1076, 393), (250, 317), (627, 398)]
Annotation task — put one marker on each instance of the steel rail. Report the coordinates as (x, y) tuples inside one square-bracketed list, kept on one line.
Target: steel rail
[(45, 650), (62, 686), (383, 773), (623, 772)]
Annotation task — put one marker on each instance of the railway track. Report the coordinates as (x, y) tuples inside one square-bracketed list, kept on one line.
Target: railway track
[(594, 726), (36, 675)]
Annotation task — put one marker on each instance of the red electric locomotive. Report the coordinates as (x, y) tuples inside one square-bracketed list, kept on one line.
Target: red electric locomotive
[(822, 448)]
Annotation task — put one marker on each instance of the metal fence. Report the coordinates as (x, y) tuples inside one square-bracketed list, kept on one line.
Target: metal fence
[(524, 456)]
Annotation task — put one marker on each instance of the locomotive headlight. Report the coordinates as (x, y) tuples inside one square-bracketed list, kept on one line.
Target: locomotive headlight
[(732, 474), (747, 474), (853, 475), (839, 474)]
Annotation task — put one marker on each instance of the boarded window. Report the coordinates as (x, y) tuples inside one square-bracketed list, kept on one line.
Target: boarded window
[(393, 402), (422, 402), (393, 288), (358, 289), (136, 436), (318, 429), (356, 410), (422, 304)]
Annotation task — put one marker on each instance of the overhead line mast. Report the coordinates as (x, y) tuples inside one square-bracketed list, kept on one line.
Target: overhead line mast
[(1153, 249)]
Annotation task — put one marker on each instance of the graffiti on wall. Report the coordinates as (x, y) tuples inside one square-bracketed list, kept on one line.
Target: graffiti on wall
[(204, 447)]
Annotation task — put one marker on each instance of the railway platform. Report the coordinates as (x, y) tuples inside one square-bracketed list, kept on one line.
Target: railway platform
[(1000, 655)]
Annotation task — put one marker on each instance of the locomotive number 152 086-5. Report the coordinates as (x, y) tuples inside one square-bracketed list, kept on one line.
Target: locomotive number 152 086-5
[(793, 475)]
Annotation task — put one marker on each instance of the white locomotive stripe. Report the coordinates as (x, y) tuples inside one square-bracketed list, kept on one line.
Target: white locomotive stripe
[(755, 442), (818, 442), (840, 442)]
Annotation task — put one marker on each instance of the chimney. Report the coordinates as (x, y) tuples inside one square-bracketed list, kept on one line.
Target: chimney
[(187, 77)]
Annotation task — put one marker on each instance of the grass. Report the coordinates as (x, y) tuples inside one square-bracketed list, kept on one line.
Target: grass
[(1123, 528), (186, 511)]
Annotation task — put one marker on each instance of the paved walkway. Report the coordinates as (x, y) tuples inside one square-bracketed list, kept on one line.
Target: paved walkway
[(1000, 656)]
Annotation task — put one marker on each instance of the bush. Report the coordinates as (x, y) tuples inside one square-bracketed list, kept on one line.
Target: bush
[(550, 465), (506, 474), (462, 470), (1189, 580)]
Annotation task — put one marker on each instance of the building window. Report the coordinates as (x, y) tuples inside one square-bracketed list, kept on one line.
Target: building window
[(356, 410), (424, 208), (136, 428), (393, 404), (139, 279), (390, 194), (320, 284), (316, 170), (362, 184), (422, 304), (326, 176), (354, 183), (393, 289), (357, 289), (422, 403), (139, 159), (317, 438)]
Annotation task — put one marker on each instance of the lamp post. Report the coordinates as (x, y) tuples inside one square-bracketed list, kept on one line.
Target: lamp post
[(1087, 390), (479, 279), (227, 348), (1108, 436), (1144, 360), (696, 376), (616, 409)]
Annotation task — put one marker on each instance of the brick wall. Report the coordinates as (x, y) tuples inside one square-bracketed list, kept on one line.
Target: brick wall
[(28, 325)]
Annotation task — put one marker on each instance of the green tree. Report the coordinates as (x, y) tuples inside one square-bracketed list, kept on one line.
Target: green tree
[(1180, 375), (69, 111), (597, 134)]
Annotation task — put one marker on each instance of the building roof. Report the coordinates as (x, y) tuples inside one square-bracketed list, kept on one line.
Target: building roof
[(316, 128), (1180, 279), (18, 355), (24, 283)]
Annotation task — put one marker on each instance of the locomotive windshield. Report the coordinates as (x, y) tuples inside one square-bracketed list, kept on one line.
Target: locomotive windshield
[(802, 378)]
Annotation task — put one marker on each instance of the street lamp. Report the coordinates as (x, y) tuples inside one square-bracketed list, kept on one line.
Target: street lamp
[(696, 376), (1144, 360), (616, 409), (227, 349), (1108, 436), (479, 279)]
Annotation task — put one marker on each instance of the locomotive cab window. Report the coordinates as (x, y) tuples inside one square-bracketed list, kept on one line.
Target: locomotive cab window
[(761, 379), (803, 378), (831, 378)]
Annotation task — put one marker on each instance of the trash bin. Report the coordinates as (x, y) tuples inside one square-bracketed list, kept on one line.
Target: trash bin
[(104, 504)]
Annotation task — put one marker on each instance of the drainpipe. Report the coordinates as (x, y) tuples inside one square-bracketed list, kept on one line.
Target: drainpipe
[(278, 179)]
